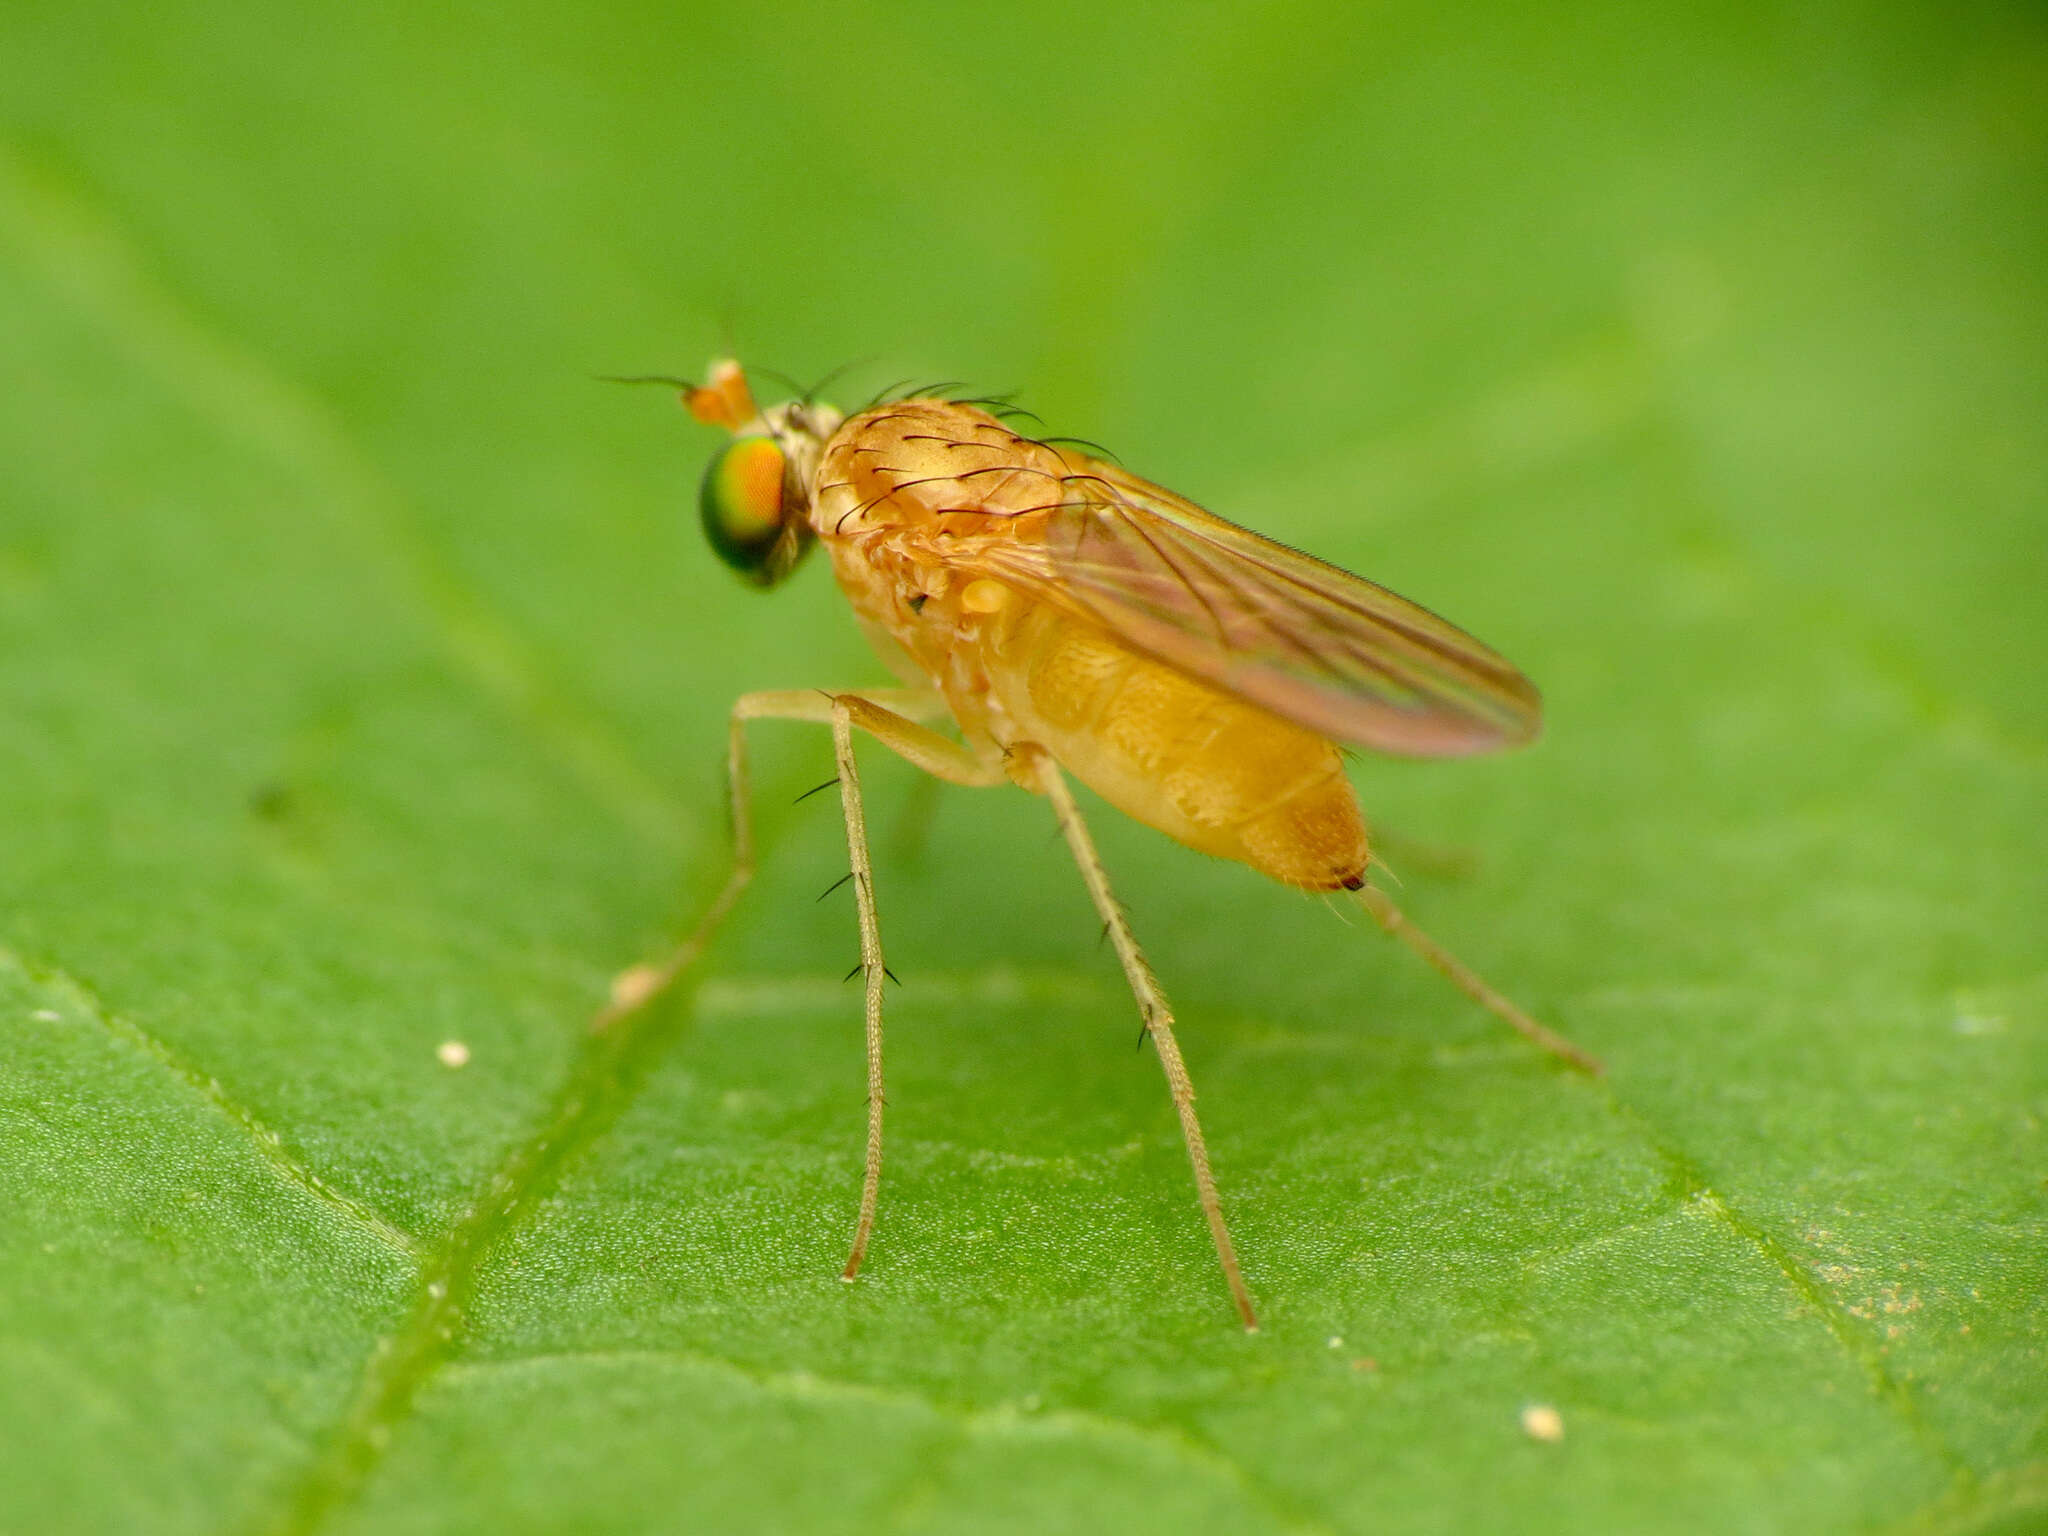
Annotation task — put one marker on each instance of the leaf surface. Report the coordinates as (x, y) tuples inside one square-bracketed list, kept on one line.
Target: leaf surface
[(362, 688)]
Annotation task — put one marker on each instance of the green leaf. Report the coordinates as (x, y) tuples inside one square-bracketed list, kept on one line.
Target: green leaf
[(363, 686)]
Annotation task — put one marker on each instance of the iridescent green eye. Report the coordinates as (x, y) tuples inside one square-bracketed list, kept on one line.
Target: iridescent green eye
[(746, 516)]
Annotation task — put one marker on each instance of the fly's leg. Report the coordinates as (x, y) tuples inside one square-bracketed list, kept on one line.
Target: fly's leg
[(1467, 981), (888, 715), (1152, 1007), (943, 759), (874, 973), (636, 986)]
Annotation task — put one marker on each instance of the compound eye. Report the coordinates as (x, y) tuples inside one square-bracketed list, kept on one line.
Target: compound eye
[(743, 507)]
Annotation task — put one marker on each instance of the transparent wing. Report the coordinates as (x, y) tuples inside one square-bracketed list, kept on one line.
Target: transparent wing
[(1313, 644)]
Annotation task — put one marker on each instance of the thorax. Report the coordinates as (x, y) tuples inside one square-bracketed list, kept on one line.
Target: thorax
[(904, 496), (906, 499)]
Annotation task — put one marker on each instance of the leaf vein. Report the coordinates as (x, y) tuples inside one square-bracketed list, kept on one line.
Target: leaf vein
[(75, 996), (1690, 1179), (618, 1049)]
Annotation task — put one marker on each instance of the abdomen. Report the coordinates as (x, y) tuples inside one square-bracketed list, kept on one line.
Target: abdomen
[(1202, 766)]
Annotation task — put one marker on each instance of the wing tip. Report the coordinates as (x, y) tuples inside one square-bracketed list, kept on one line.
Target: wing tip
[(1439, 735)]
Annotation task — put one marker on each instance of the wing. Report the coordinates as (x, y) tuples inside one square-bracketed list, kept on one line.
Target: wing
[(1313, 644)]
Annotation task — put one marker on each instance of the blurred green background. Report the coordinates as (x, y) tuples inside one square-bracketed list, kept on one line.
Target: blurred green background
[(361, 689)]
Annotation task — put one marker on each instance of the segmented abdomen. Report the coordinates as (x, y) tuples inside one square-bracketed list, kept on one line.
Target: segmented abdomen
[(1202, 766)]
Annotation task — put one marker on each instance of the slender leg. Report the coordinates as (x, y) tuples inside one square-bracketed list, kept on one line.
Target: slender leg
[(945, 760), (1152, 1007), (887, 714), (636, 986), (871, 966), (1467, 981)]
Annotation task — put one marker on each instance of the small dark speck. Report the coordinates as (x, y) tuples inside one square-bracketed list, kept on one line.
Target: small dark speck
[(917, 603), (273, 802)]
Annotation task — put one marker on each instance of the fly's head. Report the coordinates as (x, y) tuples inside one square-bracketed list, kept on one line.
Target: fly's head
[(756, 497)]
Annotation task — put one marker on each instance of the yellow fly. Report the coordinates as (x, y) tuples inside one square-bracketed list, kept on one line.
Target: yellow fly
[(1067, 616)]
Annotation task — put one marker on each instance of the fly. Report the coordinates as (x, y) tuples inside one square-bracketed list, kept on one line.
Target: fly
[(1066, 617)]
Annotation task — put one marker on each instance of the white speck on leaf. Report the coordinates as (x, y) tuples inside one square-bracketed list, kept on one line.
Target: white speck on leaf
[(1542, 1422), (452, 1053)]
